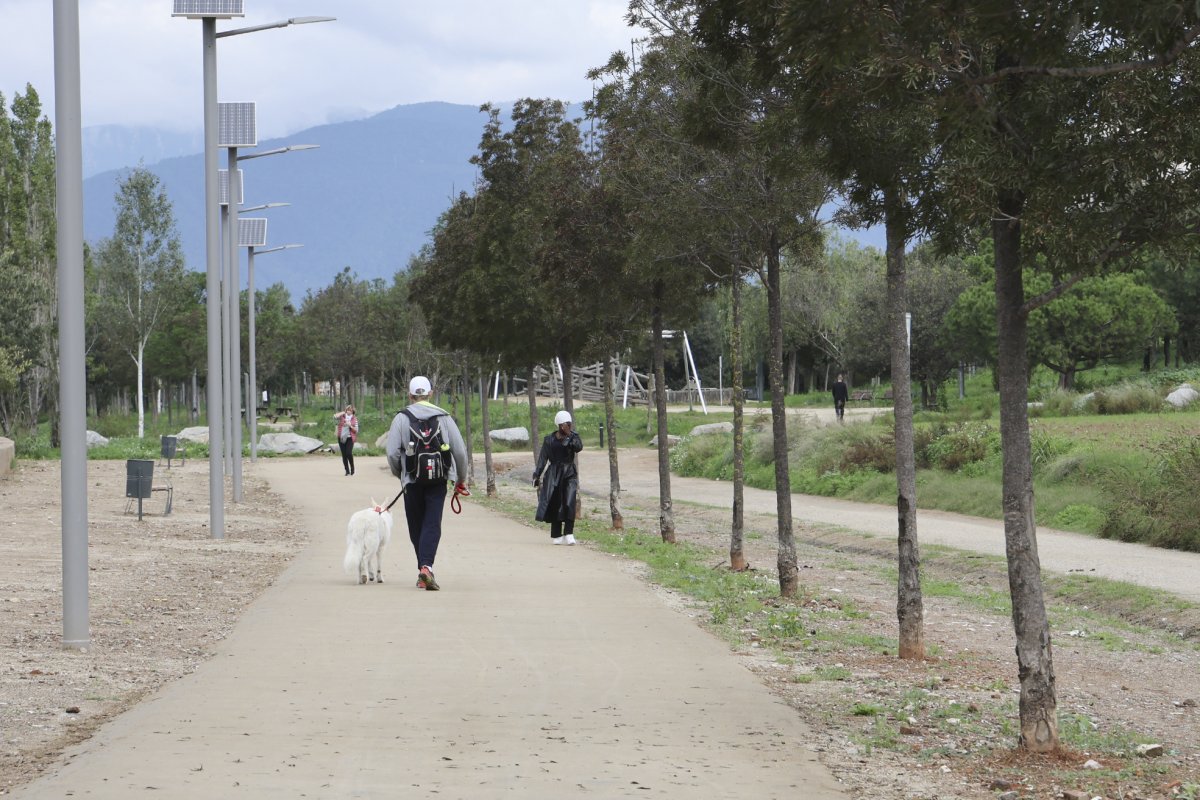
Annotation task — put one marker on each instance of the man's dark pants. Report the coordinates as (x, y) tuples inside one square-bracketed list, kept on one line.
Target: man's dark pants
[(423, 506)]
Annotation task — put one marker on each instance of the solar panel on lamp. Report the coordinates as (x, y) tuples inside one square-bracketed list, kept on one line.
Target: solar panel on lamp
[(252, 232), (220, 9), (223, 187), (236, 125)]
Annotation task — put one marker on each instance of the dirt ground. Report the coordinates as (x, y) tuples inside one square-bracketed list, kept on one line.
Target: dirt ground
[(162, 593)]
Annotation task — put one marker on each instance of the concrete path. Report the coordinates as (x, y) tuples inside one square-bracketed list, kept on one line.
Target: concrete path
[(538, 672), (1060, 551)]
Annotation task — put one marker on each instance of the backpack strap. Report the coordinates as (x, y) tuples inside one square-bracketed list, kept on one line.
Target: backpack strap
[(414, 422)]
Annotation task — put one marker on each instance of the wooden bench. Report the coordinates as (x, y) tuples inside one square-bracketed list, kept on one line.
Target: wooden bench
[(282, 411), (862, 396)]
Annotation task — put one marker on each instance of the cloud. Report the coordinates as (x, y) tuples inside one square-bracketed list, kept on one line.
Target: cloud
[(142, 66)]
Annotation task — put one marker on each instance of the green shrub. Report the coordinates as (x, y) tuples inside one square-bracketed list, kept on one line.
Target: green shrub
[(962, 445), (1061, 403), (1160, 507), (1045, 447), (1079, 517), (867, 447), (1127, 398)]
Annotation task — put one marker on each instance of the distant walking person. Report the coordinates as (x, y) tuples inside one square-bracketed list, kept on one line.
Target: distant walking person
[(347, 435), (558, 484), (841, 393), (425, 450)]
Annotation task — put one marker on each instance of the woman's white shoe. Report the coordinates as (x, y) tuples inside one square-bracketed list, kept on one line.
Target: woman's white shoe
[(570, 537)]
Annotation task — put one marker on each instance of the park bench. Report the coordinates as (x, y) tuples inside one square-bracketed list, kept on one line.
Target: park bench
[(282, 411), (862, 396), (140, 485)]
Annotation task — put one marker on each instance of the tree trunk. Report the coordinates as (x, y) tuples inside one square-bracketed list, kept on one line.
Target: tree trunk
[(466, 379), (610, 424), (568, 384), (737, 557), (141, 389), (535, 441), (666, 515), (1035, 658), (487, 439), (788, 571), (910, 613)]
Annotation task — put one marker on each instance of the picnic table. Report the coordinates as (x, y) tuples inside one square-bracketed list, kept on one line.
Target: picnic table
[(282, 411)]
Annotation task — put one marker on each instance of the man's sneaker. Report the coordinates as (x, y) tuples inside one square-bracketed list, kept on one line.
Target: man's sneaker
[(425, 580), (557, 539), (570, 537)]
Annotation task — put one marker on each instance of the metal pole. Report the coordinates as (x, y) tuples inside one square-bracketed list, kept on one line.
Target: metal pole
[(72, 374), (695, 373), (252, 406), (212, 250), (235, 330), (226, 361)]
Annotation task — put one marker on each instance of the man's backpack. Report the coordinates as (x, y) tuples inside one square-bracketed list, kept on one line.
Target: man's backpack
[(426, 454)]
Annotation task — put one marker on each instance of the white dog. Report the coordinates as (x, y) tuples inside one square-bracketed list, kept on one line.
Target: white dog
[(367, 535)]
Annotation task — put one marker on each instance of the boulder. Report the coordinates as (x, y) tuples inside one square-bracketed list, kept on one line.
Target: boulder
[(671, 441), (518, 436), (712, 427), (95, 440), (288, 443), (381, 442), (197, 434), (8, 452), (1183, 397)]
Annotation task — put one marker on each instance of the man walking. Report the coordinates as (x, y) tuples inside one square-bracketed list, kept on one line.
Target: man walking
[(425, 450), (841, 393)]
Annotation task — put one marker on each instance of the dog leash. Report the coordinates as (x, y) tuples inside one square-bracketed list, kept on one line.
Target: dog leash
[(388, 507), (455, 504), (459, 490)]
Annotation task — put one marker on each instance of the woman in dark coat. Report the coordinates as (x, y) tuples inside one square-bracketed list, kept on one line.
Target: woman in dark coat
[(558, 485)]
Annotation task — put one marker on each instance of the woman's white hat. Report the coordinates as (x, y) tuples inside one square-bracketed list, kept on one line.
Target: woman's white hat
[(561, 417)]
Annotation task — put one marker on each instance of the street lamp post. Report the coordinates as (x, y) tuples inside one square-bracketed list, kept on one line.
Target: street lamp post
[(240, 118), (72, 372), (208, 11), (237, 124), (251, 252)]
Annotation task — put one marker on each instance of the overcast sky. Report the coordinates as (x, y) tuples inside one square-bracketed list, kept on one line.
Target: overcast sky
[(141, 66)]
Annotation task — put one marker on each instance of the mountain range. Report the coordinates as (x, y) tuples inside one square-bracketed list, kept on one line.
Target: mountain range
[(366, 198)]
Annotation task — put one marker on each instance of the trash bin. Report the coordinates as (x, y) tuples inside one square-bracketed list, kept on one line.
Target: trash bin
[(139, 480), (170, 444)]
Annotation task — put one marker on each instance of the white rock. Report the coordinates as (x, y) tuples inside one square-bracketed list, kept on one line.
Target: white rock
[(671, 441), (1182, 397), (510, 435), (1092, 764), (95, 440), (381, 441), (288, 443), (1149, 750), (713, 427), (197, 434)]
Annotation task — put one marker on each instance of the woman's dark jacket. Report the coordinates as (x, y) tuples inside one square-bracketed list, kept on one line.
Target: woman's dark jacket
[(560, 483)]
